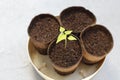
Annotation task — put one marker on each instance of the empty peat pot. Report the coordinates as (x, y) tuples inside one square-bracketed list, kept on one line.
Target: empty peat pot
[(65, 60), (96, 43), (42, 30), (77, 18)]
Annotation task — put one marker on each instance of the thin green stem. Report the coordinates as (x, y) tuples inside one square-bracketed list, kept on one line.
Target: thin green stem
[(65, 42)]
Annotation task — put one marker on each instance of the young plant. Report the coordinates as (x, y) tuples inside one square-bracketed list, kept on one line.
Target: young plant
[(65, 35)]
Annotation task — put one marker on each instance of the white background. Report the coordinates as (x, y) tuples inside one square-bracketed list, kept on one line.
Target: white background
[(15, 16)]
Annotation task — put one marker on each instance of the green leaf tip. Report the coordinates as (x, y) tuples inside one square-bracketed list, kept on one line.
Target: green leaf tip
[(62, 29), (71, 38), (68, 32)]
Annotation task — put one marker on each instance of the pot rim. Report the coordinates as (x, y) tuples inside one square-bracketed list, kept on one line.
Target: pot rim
[(82, 10), (99, 26), (48, 51), (35, 18)]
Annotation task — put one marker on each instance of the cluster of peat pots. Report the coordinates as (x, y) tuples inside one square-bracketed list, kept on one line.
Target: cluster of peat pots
[(91, 44)]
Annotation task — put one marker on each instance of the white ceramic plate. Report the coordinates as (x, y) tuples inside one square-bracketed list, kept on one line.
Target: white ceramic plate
[(42, 65)]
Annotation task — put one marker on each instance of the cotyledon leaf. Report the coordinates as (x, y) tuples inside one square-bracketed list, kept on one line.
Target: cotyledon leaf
[(61, 37), (62, 29), (71, 38), (68, 32)]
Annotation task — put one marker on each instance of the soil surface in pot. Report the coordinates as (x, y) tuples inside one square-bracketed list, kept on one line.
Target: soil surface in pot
[(97, 41), (44, 28), (77, 19), (65, 57)]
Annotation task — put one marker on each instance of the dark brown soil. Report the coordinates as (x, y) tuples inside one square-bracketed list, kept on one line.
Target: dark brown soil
[(44, 28), (68, 56), (77, 18), (97, 40)]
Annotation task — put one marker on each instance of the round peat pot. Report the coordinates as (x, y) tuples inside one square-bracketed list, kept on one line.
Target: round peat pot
[(77, 18), (42, 30), (96, 43), (65, 60)]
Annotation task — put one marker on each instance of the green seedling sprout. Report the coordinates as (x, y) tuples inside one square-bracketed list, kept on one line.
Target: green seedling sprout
[(65, 35)]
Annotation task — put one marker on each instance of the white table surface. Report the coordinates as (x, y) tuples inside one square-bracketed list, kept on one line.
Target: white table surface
[(15, 16)]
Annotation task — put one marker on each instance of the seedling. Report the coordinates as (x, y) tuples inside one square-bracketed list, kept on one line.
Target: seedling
[(65, 35)]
